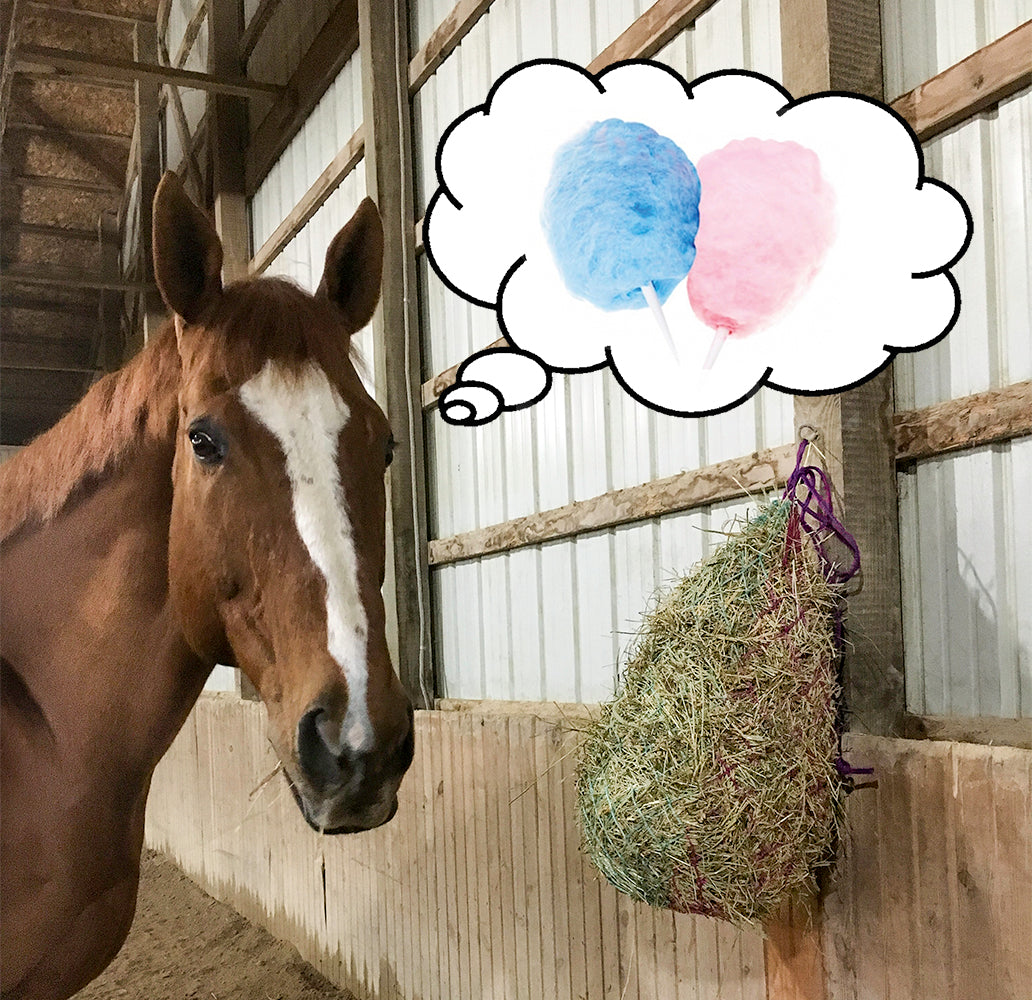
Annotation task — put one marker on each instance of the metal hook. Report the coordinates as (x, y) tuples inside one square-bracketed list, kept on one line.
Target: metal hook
[(814, 434)]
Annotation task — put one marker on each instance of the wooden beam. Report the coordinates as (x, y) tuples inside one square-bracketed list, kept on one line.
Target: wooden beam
[(150, 307), (161, 19), (182, 126), (255, 28), (126, 70), (978, 82), (312, 200), (444, 40), (87, 135), (660, 24), (7, 72), (55, 277), (40, 302), (228, 137), (73, 369), (827, 44), (63, 11), (383, 27), (190, 33), (432, 389), (696, 488), (970, 422), (336, 42), (984, 729), (50, 232), (63, 184)]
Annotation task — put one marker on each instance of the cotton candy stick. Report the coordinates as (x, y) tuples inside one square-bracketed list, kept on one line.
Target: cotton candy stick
[(649, 291), (720, 335)]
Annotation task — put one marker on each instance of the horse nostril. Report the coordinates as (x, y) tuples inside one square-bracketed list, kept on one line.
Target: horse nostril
[(317, 758)]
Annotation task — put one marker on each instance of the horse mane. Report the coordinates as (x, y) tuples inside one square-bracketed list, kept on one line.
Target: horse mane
[(120, 412)]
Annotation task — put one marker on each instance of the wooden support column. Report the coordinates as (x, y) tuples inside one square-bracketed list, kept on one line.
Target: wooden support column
[(228, 139), (836, 44), (383, 29), (148, 151), (825, 45)]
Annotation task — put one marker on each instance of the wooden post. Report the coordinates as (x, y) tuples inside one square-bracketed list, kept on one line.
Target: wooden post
[(383, 31), (148, 152), (228, 139), (836, 45)]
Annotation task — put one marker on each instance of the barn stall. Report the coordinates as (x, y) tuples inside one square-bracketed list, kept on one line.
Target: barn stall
[(522, 553)]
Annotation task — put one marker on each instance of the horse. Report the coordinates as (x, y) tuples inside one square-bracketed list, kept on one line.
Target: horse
[(220, 499)]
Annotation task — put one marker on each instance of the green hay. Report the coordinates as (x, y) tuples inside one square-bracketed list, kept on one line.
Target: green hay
[(709, 785)]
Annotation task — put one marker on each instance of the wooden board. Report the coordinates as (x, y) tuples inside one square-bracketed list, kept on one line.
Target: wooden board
[(477, 885)]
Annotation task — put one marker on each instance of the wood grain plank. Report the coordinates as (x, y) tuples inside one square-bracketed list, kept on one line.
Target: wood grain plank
[(445, 38), (721, 481), (974, 84), (650, 32), (969, 422), (332, 176)]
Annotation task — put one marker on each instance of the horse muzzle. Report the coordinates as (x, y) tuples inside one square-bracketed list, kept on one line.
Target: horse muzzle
[(342, 790)]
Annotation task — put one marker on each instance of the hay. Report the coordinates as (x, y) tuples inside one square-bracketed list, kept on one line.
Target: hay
[(709, 783)]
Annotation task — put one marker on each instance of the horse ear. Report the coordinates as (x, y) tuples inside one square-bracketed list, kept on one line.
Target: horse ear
[(187, 251), (354, 266)]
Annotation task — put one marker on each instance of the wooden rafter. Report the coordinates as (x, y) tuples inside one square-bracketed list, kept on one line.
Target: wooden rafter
[(54, 130), (62, 10), (444, 39), (311, 201), (50, 232), (63, 184), (190, 33), (55, 277), (335, 43), (978, 82), (126, 70), (7, 73), (684, 491), (255, 27)]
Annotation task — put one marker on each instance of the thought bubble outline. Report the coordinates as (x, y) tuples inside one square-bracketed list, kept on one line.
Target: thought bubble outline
[(608, 359)]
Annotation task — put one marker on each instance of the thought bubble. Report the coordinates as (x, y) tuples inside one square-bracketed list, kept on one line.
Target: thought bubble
[(701, 239)]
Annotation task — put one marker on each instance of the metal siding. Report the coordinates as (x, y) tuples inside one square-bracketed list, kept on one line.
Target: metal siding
[(563, 607), (964, 535)]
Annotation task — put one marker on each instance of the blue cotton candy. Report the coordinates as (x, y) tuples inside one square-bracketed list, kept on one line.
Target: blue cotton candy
[(621, 209)]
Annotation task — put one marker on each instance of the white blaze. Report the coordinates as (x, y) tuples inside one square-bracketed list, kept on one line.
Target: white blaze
[(306, 414)]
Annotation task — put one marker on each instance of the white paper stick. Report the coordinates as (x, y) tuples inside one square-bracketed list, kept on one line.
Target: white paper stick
[(649, 291), (717, 343)]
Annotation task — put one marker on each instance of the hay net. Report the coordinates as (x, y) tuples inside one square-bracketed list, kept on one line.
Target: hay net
[(709, 783)]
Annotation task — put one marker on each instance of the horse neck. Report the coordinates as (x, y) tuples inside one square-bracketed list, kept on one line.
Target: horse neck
[(101, 652)]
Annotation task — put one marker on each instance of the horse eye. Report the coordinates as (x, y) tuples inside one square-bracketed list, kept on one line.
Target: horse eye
[(207, 444), (389, 453)]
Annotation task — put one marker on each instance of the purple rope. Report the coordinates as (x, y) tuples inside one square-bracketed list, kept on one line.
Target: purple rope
[(817, 516), (810, 489)]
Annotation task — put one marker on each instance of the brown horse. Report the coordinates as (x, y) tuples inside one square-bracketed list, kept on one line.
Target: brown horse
[(220, 499)]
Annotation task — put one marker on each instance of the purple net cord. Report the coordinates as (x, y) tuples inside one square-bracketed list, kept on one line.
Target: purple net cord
[(810, 489), (817, 517)]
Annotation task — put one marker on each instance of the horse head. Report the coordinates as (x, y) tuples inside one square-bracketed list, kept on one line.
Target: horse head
[(277, 538)]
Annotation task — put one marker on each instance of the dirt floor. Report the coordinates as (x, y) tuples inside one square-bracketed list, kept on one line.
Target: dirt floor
[(184, 945)]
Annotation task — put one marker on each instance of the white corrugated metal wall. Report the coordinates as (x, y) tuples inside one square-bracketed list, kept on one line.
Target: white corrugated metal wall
[(548, 622), (966, 519)]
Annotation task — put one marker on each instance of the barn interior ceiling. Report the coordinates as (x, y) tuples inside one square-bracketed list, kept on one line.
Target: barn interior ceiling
[(67, 139)]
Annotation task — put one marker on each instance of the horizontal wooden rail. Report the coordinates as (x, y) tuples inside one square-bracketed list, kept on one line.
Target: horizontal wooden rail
[(976, 420), (51, 232), (333, 46), (714, 483), (64, 184), (90, 135), (966, 88), (126, 70), (969, 422), (311, 201), (53, 277), (444, 40), (981, 80)]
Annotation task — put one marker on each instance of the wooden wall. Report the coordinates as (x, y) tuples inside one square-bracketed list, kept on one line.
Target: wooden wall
[(477, 888)]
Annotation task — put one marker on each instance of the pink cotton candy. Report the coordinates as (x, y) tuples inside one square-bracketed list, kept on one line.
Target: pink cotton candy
[(766, 221)]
